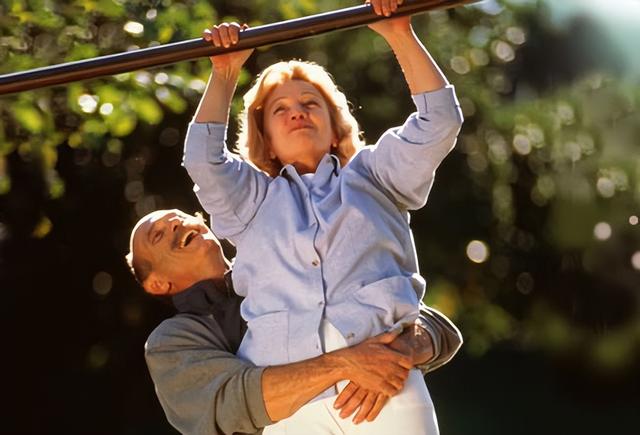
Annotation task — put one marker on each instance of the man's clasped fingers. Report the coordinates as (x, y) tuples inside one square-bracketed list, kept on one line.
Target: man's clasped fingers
[(357, 395), (367, 403)]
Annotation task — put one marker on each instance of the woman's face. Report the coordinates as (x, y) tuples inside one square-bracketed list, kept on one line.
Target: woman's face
[(297, 125)]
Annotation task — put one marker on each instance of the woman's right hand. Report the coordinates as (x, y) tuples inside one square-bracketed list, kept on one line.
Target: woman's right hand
[(227, 35)]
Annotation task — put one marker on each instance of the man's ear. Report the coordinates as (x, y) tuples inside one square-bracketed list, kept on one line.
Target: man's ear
[(157, 285)]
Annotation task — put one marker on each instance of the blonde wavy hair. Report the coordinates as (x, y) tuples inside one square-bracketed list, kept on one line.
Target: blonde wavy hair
[(253, 144)]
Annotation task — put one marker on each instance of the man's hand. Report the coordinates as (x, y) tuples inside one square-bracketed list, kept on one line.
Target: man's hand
[(374, 366), (415, 343), (367, 403)]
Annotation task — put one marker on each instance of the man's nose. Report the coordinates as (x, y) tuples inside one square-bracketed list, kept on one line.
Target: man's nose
[(174, 223)]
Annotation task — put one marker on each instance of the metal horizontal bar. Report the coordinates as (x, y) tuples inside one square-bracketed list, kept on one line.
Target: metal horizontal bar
[(268, 34)]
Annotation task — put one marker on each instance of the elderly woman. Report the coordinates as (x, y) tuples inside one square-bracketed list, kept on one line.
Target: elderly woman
[(325, 256)]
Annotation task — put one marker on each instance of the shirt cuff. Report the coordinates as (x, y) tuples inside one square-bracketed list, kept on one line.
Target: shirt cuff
[(437, 348), (427, 101), (204, 142), (255, 401)]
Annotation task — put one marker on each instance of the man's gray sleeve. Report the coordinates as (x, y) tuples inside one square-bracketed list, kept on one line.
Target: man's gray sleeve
[(446, 338), (202, 386)]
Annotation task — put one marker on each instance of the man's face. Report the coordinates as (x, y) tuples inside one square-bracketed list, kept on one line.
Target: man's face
[(181, 249)]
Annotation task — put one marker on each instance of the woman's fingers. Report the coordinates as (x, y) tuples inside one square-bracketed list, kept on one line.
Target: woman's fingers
[(225, 38), (234, 32), (384, 7), (212, 35), (224, 34)]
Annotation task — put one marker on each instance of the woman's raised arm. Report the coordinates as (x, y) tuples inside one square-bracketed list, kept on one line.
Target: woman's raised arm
[(420, 70), (216, 101)]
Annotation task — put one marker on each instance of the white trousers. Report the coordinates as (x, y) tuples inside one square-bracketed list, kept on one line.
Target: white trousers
[(409, 412)]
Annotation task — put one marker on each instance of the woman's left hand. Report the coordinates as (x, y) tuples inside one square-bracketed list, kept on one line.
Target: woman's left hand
[(389, 27)]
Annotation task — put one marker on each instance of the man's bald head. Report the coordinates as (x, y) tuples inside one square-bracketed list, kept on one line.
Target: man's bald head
[(171, 250)]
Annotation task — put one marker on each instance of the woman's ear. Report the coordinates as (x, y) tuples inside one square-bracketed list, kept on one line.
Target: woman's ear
[(267, 145)]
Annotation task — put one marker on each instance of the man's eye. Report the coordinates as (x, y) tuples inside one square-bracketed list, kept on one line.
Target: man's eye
[(157, 237)]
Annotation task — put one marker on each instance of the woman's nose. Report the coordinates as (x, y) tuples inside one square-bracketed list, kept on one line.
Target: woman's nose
[(298, 112)]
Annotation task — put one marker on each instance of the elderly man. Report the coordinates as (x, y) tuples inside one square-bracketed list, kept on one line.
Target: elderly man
[(205, 389)]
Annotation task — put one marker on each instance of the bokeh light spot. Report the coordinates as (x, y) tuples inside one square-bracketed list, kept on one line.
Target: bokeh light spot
[(602, 231), (479, 57), (521, 144), (633, 220), (102, 283), (88, 103), (134, 28), (504, 51), (161, 78), (43, 228), (635, 260), (4, 231), (516, 35), (134, 191), (606, 187), (143, 78), (479, 36), (169, 136), (97, 356), (460, 65), (197, 85), (106, 109), (525, 283), (477, 251)]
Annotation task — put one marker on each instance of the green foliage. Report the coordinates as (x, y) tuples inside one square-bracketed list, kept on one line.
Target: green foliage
[(539, 167)]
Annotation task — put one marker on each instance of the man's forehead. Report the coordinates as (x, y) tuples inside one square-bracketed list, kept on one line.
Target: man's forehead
[(144, 225), (157, 215)]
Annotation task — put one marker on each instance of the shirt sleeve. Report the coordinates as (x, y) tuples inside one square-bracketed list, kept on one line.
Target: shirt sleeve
[(202, 387), (446, 337), (404, 160), (228, 188)]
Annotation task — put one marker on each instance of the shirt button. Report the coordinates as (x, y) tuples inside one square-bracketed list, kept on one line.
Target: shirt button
[(315, 263), (321, 303), (350, 336)]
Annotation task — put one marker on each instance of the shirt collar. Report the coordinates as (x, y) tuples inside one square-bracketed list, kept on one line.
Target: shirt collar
[(328, 159), (204, 297)]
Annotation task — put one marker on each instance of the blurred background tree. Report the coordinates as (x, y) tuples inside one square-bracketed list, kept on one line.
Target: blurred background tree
[(530, 241)]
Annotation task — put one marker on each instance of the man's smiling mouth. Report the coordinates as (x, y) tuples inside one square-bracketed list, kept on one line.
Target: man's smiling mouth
[(188, 238)]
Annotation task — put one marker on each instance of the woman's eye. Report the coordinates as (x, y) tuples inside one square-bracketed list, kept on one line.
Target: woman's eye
[(278, 110), (311, 103)]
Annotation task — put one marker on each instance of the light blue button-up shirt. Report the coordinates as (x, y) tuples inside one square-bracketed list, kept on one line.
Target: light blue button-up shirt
[(335, 243)]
